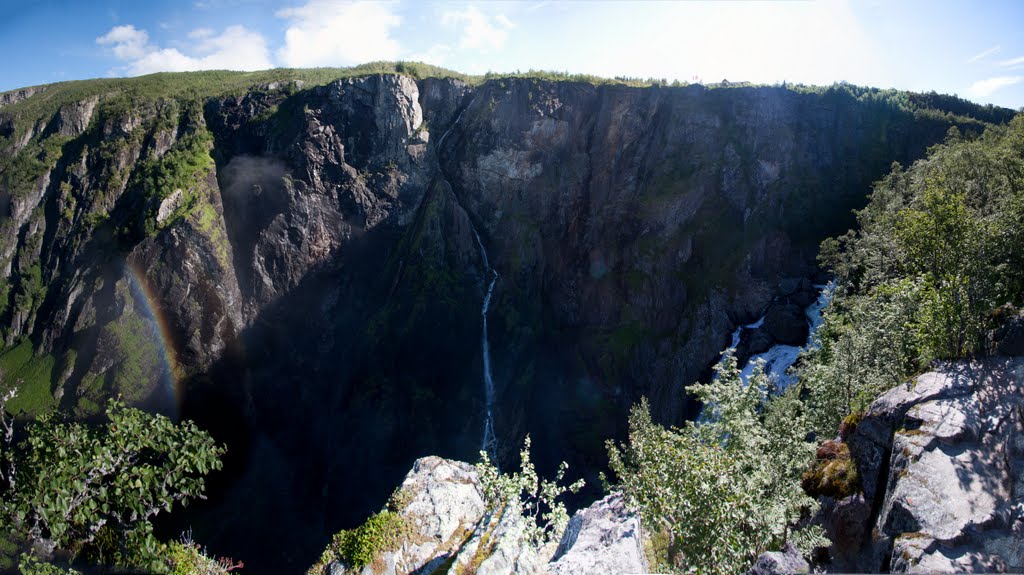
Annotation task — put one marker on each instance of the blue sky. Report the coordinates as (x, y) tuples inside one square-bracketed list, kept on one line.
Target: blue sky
[(975, 50)]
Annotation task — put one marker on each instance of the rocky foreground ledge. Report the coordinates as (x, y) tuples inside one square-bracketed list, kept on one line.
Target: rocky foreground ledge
[(449, 531), (940, 462)]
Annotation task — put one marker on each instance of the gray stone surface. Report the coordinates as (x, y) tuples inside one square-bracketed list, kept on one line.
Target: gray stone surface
[(785, 562), (944, 456), (445, 505), (601, 539), (451, 532)]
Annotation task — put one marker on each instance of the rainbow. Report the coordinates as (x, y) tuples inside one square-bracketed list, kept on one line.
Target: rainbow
[(143, 293)]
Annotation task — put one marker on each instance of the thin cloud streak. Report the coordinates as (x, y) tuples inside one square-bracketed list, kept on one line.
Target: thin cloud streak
[(993, 50), (986, 87), (1012, 62)]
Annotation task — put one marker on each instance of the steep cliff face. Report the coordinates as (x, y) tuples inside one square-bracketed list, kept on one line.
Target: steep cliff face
[(297, 266)]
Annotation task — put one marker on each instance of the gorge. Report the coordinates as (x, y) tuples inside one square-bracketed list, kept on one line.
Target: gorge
[(296, 262)]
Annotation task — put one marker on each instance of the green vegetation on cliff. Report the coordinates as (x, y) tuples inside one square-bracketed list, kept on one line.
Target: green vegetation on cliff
[(935, 265)]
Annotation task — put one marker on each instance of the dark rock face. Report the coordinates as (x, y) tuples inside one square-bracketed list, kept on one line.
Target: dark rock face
[(313, 295), (1008, 339), (786, 323)]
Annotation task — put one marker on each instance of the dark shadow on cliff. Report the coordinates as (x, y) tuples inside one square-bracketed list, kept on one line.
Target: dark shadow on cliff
[(328, 398)]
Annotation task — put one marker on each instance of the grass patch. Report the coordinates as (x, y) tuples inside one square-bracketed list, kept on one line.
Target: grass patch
[(36, 376), (140, 360)]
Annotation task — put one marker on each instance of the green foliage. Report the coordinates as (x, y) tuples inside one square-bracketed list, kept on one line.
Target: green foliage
[(93, 489), (524, 493), (139, 357), (30, 565), (937, 249), (720, 491), (361, 546), (34, 374), (869, 344), (186, 557)]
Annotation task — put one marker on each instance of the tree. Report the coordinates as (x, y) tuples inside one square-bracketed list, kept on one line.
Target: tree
[(718, 492), (93, 489), (947, 247)]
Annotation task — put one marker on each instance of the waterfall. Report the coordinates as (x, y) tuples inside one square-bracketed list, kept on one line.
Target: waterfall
[(489, 442), (779, 358)]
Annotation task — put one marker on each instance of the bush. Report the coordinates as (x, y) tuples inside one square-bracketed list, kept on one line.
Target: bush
[(358, 547), (719, 492), (93, 489), (834, 474), (525, 493), (186, 557)]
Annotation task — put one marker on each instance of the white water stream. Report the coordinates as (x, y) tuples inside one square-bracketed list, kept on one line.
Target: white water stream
[(489, 442), (779, 358)]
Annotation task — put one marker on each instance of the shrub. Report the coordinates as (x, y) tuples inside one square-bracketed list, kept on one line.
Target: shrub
[(719, 492), (186, 557), (93, 489), (833, 474), (358, 547), (535, 499)]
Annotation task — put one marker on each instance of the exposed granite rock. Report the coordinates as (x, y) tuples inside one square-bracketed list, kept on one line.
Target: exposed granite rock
[(847, 524), (451, 532), (15, 96), (943, 459), (445, 506), (74, 118), (789, 561), (499, 546), (601, 539)]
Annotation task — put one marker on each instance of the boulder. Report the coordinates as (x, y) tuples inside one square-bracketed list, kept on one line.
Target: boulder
[(785, 562), (449, 530), (760, 341), (786, 323), (789, 286), (943, 459), (603, 538), (847, 525), (444, 505), (499, 546)]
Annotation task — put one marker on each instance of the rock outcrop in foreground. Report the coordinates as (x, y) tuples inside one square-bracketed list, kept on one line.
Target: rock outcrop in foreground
[(941, 460), (450, 531)]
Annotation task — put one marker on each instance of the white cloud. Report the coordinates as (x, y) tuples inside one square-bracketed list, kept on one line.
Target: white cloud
[(1013, 62), (332, 33), (129, 42), (435, 55), (479, 31), (984, 54), (237, 48), (984, 88), (200, 33)]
